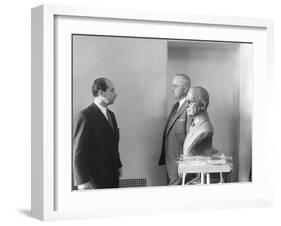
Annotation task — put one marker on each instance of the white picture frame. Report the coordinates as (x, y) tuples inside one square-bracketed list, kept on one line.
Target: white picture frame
[(47, 189)]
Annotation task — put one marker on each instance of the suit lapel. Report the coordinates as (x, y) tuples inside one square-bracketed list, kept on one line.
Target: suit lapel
[(172, 120), (101, 117), (181, 110), (114, 123), (175, 106)]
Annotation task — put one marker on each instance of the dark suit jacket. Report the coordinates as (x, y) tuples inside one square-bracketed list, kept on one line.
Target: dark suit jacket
[(175, 131), (95, 147)]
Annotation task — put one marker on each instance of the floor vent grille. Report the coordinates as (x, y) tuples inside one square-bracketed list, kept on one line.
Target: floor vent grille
[(136, 182)]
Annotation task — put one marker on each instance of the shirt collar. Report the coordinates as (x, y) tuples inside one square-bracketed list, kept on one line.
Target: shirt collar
[(102, 108), (181, 102)]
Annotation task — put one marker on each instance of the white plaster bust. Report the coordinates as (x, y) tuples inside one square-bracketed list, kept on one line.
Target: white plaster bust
[(198, 141)]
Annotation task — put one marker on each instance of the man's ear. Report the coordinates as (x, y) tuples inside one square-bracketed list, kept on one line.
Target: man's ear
[(100, 92), (203, 105)]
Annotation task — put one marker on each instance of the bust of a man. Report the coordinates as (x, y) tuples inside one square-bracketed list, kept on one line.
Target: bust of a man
[(198, 141)]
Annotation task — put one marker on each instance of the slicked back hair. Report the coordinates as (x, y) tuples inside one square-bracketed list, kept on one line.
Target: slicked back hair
[(99, 84)]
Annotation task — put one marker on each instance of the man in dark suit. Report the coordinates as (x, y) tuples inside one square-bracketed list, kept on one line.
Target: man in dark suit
[(96, 161), (176, 129)]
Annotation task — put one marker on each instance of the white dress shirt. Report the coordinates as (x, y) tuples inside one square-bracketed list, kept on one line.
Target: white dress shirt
[(181, 103), (102, 108)]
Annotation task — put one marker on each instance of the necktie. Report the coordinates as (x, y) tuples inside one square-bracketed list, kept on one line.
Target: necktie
[(109, 119), (173, 112), (171, 116), (192, 122), (175, 108)]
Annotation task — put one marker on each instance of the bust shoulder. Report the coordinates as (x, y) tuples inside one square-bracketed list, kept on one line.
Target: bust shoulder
[(207, 127)]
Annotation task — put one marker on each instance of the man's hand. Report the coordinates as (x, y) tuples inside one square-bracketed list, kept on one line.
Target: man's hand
[(85, 186)]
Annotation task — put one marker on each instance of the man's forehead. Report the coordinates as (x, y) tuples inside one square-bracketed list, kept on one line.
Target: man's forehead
[(109, 84), (191, 95), (178, 80)]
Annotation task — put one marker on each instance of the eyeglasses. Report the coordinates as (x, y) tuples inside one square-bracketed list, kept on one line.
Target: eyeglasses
[(175, 86), (193, 101)]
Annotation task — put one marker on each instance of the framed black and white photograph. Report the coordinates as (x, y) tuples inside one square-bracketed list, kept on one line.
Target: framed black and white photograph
[(152, 113), (142, 70)]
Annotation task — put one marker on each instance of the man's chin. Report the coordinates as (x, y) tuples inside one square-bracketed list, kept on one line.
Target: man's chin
[(111, 102)]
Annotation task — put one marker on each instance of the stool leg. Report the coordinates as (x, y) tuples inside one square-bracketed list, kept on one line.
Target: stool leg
[(183, 179), (221, 177), (202, 178), (208, 178)]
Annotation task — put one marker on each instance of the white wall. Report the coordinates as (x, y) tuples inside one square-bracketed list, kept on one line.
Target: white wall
[(137, 68), (216, 67), (245, 111)]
